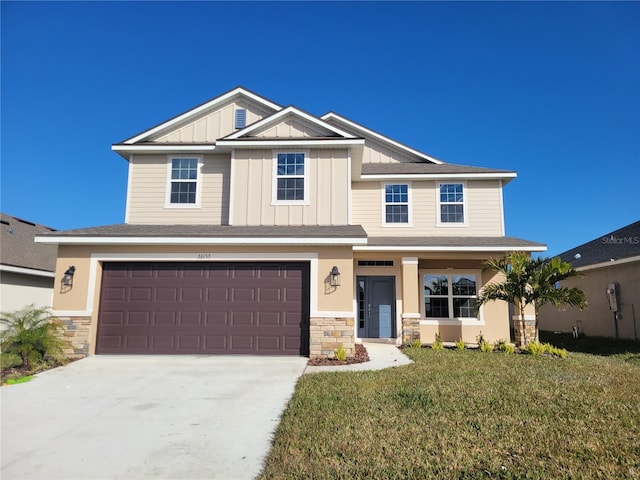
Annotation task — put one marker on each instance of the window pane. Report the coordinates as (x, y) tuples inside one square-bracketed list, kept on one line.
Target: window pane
[(291, 189), (184, 168), (183, 192), (397, 214), (463, 284), (451, 214), (436, 307), (435, 285), (464, 307)]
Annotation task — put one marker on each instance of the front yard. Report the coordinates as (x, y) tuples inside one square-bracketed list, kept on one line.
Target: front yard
[(466, 414)]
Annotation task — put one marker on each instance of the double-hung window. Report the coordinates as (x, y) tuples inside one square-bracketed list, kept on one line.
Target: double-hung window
[(450, 295), (451, 202), (396, 204), (290, 177), (184, 179)]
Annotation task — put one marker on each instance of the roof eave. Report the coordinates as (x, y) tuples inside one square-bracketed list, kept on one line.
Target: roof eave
[(458, 249), (439, 176), (197, 240)]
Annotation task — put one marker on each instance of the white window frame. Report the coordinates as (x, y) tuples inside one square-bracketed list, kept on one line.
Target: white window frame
[(465, 214), (274, 179), (198, 181), (384, 205), (449, 274)]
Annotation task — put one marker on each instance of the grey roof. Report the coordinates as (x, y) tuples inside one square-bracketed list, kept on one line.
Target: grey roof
[(619, 244), (135, 230), (493, 242), (18, 248), (423, 168)]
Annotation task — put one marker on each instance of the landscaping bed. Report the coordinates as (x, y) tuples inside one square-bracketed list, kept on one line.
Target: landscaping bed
[(360, 356)]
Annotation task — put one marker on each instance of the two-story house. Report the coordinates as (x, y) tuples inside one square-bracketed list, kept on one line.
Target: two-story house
[(256, 228)]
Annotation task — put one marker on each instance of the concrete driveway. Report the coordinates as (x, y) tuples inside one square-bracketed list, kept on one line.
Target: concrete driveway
[(131, 417)]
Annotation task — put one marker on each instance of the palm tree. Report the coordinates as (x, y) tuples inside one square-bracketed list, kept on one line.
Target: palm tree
[(30, 334), (530, 281)]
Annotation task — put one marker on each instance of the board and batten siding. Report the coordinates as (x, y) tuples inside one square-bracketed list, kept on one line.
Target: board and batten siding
[(483, 205), (214, 125), (377, 152), (291, 128), (252, 189), (148, 192)]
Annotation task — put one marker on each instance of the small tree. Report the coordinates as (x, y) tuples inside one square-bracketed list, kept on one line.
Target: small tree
[(30, 334), (531, 282)]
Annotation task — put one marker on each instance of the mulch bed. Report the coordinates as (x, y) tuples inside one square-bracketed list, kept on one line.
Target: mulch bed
[(361, 356)]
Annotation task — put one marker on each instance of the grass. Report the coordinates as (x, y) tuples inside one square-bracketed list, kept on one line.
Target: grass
[(465, 414)]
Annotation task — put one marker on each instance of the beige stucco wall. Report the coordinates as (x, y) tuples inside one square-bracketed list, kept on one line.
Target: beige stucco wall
[(214, 124), (597, 319), (334, 300), (18, 290), (149, 182), (253, 183), (483, 209)]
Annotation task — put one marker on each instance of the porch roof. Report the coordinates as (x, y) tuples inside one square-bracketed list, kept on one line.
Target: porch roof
[(209, 235), (451, 244)]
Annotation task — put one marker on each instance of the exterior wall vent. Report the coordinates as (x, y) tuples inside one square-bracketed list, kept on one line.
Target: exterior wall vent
[(375, 263), (241, 118)]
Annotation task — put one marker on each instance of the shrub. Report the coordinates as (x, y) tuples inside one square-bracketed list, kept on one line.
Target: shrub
[(437, 343), (485, 346), (8, 360), (341, 353), (555, 351), (31, 336), (416, 343), (502, 346), (534, 348), (460, 344)]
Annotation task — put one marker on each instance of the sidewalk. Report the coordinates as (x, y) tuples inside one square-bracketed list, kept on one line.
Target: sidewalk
[(381, 355)]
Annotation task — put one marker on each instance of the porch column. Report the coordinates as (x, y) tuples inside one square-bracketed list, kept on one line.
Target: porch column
[(410, 300)]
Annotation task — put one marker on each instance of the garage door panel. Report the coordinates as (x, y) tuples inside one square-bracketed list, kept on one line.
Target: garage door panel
[(204, 308)]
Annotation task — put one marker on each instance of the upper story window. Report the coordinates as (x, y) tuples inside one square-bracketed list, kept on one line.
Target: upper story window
[(450, 295), (451, 202), (396, 204), (241, 118), (184, 178), (290, 177)]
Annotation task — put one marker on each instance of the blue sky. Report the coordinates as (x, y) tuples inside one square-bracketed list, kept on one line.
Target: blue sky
[(551, 90)]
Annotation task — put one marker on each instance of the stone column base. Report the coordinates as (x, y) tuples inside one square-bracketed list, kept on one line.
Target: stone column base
[(76, 332), (410, 329), (327, 334), (529, 330)]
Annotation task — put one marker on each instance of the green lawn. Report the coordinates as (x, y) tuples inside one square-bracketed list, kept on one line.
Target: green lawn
[(466, 415)]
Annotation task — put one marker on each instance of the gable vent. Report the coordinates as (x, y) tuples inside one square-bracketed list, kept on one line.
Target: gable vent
[(241, 118)]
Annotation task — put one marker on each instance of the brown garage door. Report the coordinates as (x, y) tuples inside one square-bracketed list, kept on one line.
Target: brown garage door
[(204, 308)]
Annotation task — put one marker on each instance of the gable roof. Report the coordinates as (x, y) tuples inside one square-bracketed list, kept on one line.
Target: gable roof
[(19, 252), (620, 244), (291, 110), (364, 131), (193, 112)]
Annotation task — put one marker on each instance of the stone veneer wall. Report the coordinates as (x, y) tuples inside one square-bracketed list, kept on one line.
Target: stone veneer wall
[(529, 329), (328, 333), (76, 332), (410, 330)]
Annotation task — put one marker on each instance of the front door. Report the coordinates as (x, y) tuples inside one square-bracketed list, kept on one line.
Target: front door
[(376, 307)]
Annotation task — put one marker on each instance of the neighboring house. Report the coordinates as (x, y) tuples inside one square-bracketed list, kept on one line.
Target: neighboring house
[(26, 268), (256, 228), (610, 266)]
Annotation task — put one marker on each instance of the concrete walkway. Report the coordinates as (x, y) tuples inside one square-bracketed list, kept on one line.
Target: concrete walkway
[(381, 355)]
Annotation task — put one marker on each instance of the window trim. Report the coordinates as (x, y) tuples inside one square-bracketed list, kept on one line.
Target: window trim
[(449, 273), (384, 222), (167, 199), (465, 214), (274, 179)]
